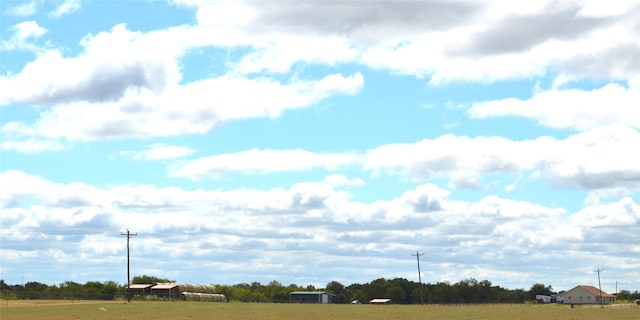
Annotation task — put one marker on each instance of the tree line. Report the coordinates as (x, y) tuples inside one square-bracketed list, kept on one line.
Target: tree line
[(399, 290)]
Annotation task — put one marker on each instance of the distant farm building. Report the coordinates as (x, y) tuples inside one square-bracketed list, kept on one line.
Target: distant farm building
[(310, 297), (197, 296), (587, 295), (139, 290), (199, 288), (380, 301), (168, 291), (200, 292), (171, 291)]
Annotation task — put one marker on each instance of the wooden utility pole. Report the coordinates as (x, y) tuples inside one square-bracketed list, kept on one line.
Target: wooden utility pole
[(417, 255), (129, 235), (599, 286)]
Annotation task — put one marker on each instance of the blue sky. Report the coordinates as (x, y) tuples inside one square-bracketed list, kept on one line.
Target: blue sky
[(317, 141)]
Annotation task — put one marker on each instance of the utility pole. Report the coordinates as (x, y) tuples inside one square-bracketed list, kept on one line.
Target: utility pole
[(417, 255), (599, 286), (129, 235)]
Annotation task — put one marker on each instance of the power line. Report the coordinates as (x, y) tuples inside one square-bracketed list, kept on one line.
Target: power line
[(417, 255), (129, 235)]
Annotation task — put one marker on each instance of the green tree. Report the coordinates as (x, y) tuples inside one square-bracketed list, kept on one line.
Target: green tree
[(338, 290), (539, 288), (109, 290), (34, 290), (276, 292), (145, 279), (396, 294)]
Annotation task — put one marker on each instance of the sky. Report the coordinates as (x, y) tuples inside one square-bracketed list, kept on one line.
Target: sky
[(315, 141)]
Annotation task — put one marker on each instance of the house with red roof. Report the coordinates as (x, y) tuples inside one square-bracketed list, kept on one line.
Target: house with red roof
[(587, 295)]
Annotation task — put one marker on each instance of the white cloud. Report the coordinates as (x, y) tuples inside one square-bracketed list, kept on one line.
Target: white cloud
[(492, 235), (65, 8), (488, 41), (90, 100), (337, 180), (278, 54), (28, 29), (96, 75), (25, 33), (624, 213), (32, 145), (192, 108), (612, 104), (160, 151), (596, 159), (257, 161), (22, 10)]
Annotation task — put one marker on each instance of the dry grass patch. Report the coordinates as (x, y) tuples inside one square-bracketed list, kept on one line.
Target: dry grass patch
[(140, 310)]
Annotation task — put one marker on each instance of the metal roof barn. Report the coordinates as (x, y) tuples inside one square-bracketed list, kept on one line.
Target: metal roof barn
[(166, 290), (139, 290), (310, 297)]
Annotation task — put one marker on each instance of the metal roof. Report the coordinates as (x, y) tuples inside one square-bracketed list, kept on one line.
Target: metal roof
[(310, 292), (595, 291), (140, 286), (165, 286)]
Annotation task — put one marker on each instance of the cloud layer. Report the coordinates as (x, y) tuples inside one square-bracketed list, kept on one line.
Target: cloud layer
[(249, 229), (195, 134)]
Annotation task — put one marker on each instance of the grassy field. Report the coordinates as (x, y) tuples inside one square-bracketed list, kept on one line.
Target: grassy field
[(140, 310)]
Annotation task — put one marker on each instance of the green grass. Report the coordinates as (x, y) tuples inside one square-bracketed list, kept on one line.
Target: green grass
[(140, 310)]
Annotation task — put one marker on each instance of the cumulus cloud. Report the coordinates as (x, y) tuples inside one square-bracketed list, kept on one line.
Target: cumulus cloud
[(612, 104), (337, 17), (124, 83), (521, 32), (597, 159), (489, 235), (444, 41), (24, 37), (113, 63), (192, 108)]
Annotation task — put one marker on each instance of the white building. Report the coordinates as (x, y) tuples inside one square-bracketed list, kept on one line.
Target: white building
[(587, 295)]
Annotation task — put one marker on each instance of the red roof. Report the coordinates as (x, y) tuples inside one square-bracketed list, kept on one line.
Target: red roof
[(596, 291)]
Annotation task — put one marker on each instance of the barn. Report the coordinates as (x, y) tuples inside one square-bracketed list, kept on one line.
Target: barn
[(310, 297), (168, 291), (139, 290), (587, 295)]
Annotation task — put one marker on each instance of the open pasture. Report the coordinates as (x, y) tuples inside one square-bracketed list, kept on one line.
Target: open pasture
[(141, 310)]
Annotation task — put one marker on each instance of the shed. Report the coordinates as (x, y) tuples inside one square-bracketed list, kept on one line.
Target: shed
[(310, 297), (166, 290), (139, 290), (380, 301), (587, 295)]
